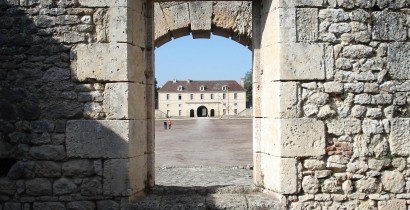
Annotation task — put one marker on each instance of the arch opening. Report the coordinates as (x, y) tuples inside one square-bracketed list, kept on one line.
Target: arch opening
[(202, 111)]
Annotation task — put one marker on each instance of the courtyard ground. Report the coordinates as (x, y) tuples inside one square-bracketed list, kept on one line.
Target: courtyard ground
[(205, 163)]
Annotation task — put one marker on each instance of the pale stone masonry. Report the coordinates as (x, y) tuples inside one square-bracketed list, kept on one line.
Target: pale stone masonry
[(191, 98), (331, 99)]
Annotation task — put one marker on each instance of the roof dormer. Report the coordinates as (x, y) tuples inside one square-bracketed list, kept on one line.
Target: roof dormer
[(202, 88), (180, 88), (224, 87)]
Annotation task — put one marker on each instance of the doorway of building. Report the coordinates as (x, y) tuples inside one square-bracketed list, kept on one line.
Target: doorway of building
[(202, 111), (212, 113), (192, 113)]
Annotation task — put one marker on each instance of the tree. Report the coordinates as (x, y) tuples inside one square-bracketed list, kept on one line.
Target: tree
[(248, 87)]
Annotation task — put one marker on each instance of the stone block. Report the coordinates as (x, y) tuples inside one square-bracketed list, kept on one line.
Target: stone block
[(107, 3), (389, 26), (39, 187), (278, 26), (269, 5), (78, 168), (124, 177), (399, 136), (344, 126), (7, 186), (280, 174), (200, 14), (307, 24), (125, 101), (296, 137), (48, 152), (280, 100), (177, 18), (109, 62), (398, 60), (394, 204), (161, 34), (48, 206), (64, 186), (83, 205), (297, 61), (106, 138), (12, 206)]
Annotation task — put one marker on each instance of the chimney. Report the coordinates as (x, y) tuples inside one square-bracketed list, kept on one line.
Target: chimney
[(188, 81), (243, 82)]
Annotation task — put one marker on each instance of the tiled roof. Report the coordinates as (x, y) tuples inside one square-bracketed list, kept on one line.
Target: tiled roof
[(194, 86)]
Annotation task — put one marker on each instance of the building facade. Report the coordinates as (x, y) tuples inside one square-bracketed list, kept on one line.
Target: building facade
[(191, 98)]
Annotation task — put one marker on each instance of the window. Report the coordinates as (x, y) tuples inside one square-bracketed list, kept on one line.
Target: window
[(192, 96), (224, 96), (212, 96), (179, 105), (235, 104), (235, 111), (235, 96), (180, 88), (167, 96), (179, 96), (168, 113), (202, 88), (180, 112), (202, 96), (167, 105), (225, 87)]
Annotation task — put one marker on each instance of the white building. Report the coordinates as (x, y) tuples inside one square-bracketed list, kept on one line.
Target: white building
[(191, 98)]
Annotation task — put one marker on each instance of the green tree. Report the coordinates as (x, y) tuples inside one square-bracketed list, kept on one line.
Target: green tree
[(248, 87)]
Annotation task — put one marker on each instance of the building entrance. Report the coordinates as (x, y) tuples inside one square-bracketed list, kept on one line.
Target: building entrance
[(202, 111)]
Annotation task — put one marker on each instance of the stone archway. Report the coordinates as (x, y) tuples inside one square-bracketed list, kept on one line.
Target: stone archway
[(202, 111), (224, 18)]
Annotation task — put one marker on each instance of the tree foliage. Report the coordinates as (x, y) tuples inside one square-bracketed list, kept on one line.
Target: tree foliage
[(248, 87)]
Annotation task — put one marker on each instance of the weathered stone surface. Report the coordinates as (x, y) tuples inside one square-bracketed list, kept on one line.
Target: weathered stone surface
[(344, 126), (48, 206), (48, 152), (124, 177), (293, 137), (91, 187), (307, 24), (125, 101), (81, 205), (109, 62), (333, 87), (310, 184), (398, 62), (47, 169), (312, 164), (106, 138), (389, 26), (393, 181), (288, 62), (64, 186), (177, 18), (7, 186), (287, 96), (78, 168), (399, 136), (200, 14), (280, 174), (216, 201), (357, 51), (394, 204), (107, 205), (337, 162), (38, 187)]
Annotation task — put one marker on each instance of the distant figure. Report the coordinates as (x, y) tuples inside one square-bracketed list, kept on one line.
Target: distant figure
[(169, 123), (165, 124)]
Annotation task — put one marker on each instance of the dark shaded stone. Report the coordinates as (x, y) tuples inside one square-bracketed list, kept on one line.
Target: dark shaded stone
[(64, 186), (81, 205), (48, 206), (47, 169), (21, 170), (78, 168), (39, 187), (107, 205), (48, 152)]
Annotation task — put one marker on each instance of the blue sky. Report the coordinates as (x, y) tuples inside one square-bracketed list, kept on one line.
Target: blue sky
[(217, 58)]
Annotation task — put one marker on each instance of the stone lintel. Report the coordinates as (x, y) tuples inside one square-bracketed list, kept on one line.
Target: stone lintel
[(200, 14), (177, 18), (106, 138)]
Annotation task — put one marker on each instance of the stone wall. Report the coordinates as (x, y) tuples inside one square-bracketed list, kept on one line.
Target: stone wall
[(339, 135), (69, 70), (231, 19)]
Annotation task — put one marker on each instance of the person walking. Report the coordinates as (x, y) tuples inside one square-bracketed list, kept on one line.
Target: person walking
[(165, 124), (169, 123)]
